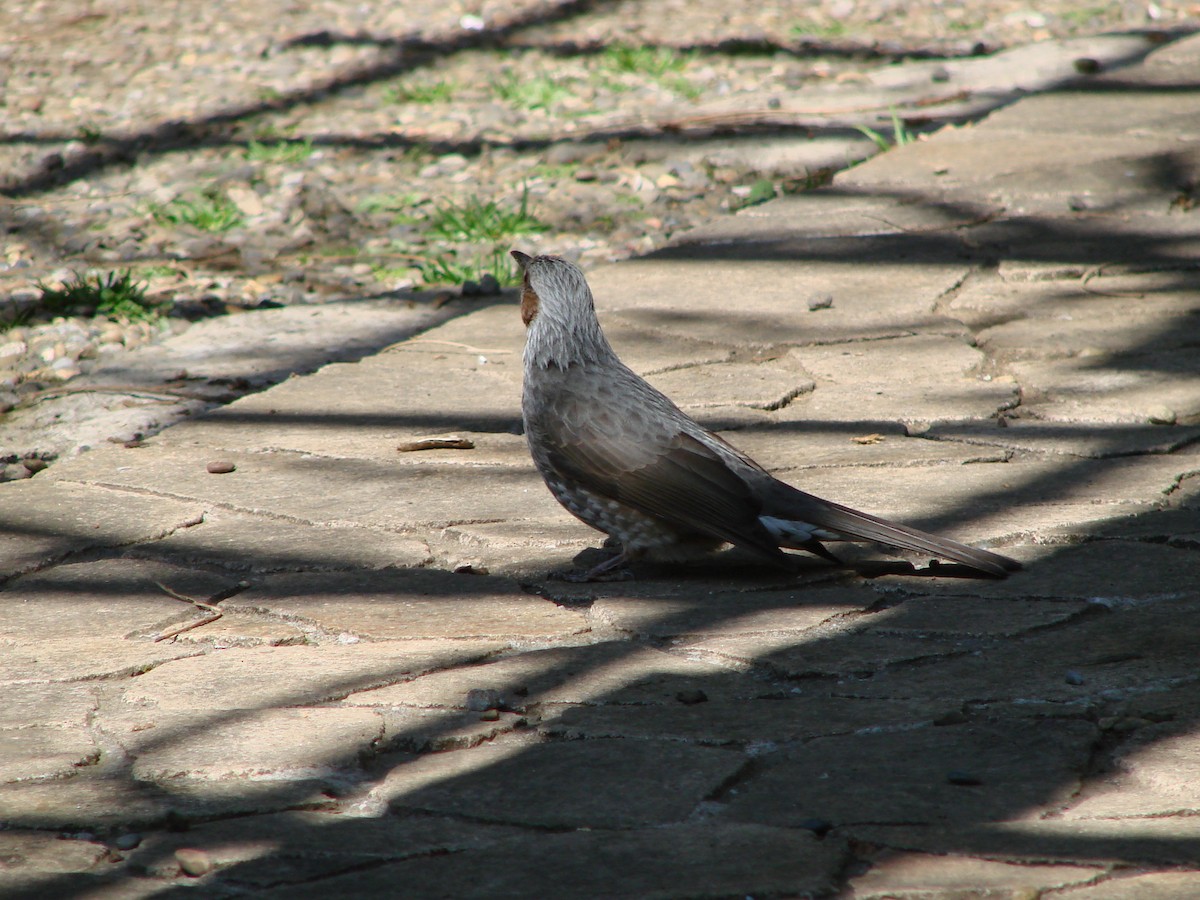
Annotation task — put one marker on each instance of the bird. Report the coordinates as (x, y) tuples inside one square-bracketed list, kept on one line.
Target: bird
[(620, 456)]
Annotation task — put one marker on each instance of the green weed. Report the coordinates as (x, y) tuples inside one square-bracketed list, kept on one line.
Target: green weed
[(423, 92), (479, 220), (448, 269), (538, 92), (210, 211), (652, 61), (115, 295), (279, 151), (900, 134)]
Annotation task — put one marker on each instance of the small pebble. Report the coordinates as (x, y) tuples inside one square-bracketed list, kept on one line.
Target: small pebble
[(128, 841), (1161, 415), (819, 827), (489, 715), (1073, 677), (220, 467), (963, 779), (955, 717), (820, 301), (193, 862), (481, 699)]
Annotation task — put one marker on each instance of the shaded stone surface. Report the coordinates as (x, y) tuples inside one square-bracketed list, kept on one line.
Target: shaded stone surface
[(678, 861), (935, 775), (592, 784)]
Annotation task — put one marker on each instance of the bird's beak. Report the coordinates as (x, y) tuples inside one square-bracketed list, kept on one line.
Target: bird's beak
[(523, 259)]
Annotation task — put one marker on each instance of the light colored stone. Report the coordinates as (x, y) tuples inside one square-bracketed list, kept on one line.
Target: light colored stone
[(370, 493), (697, 300), (41, 751), (248, 543), (611, 672), (766, 385), (42, 521), (862, 383), (1141, 886), (910, 874), (776, 613), (32, 855), (274, 744), (258, 678), (1153, 775), (413, 604)]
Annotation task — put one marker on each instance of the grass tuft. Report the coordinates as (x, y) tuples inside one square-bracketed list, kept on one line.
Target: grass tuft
[(115, 295), (210, 211)]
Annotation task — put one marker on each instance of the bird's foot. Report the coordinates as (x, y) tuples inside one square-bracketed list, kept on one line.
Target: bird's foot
[(611, 569), (592, 576)]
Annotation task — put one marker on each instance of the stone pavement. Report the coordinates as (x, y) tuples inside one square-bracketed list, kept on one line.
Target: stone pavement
[(332, 668)]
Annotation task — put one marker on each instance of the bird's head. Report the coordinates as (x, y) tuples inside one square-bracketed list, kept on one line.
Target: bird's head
[(558, 311), (554, 287)]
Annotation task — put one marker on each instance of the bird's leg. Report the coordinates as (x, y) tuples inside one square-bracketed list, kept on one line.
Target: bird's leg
[(612, 569)]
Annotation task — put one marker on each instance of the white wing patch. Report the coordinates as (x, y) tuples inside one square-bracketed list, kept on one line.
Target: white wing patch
[(794, 535)]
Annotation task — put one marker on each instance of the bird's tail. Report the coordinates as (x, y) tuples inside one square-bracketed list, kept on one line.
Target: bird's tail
[(788, 502)]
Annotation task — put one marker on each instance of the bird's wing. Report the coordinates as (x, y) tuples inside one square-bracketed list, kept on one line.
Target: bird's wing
[(669, 474), (786, 502)]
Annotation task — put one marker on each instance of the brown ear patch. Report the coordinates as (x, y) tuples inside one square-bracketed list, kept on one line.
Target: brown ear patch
[(529, 302)]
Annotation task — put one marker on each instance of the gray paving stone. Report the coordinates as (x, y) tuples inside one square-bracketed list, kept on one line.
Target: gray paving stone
[(1034, 838), (41, 751), (257, 544), (436, 382), (668, 862), (413, 604), (825, 779), (92, 800), (259, 678), (860, 382), (1152, 775), (917, 875), (767, 385), (371, 492), (593, 784), (609, 672), (276, 744), (68, 705), (1102, 660), (671, 293), (1098, 440), (26, 853), (755, 724), (795, 444), (43, 521), (1144, 886), (776, 614), (261, 851), (97, 619), (1081, 390)]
